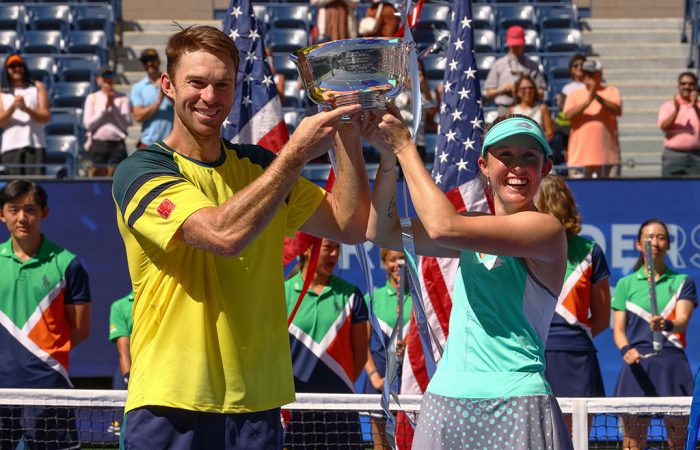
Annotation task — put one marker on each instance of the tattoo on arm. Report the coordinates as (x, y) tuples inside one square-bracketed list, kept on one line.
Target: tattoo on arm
[(391, 209)]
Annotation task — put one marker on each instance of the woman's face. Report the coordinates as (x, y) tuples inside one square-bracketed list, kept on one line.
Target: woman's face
[(659, 240), (392, 263), (526, 92), (575, 70), (515, 167), (327, 258)]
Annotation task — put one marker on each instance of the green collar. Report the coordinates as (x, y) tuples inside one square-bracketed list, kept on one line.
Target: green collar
[(46, 250)]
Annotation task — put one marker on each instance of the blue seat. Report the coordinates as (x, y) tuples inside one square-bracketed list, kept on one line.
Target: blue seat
[(292, 117), (289, 16), (430, 146), (92, 42), (483, 16), (9, 41), (426, 35), (554, 87), (89, 17), (523, 15), (485, 41), (62, 155), (287, 39), (49, 17), (284, 65), (562, 40), (42, 67), (557, 65), (70, 94), (78, 67), (293, 97), (434, 66), (43, 41), (483, 65), (65, 121), (437, 15), (558, 16), (532, 40), (261, 15), (13, 17)]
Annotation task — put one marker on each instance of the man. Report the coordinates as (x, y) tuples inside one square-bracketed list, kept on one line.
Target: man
[(120, 325), (594, 150), (45, 306), (679, 119), (150, 107), (106, 118), (203, 222), (505, 71)]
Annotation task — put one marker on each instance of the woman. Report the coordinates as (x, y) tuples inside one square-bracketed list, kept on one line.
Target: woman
[(526, 104), (387, 310), (583, 310), (24, 110), (645, 374), (328, 339), (562, 125), (511, 270)]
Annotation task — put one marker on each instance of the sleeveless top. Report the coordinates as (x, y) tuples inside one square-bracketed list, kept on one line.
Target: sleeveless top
[(498, 328), (534, 112), (21, 130)]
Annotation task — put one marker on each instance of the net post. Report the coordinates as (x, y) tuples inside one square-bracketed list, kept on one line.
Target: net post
[(579, 422)]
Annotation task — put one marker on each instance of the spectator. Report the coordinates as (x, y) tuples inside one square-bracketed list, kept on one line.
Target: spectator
[(45, 296), (149, 106), (526, 104), (562, 125), (24, 111), (203, 222), (328, 339), (679, 119), (593, 150), (387, 310), (511, 269), (120, 325), (664, 374), (381, 20), (335, 19), (106, 117), (505, 71), (583, 310)]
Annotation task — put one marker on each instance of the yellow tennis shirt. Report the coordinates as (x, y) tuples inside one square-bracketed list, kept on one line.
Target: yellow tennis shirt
[(210, 332)]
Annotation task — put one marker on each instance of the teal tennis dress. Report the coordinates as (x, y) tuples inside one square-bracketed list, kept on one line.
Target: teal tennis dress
[(489, 390)]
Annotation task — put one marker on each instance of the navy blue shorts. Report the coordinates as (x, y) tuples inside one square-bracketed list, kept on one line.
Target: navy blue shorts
[(40, 428), (574, 373), (664, 375), (160, 428)]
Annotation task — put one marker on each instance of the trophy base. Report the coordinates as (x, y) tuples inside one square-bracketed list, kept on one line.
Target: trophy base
[(368, 100)]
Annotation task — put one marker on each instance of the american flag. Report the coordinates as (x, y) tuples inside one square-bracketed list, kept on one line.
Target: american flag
[(457, 173), (256, 116)]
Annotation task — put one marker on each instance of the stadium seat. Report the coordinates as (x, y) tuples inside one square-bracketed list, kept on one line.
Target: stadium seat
[(426, 35), (289, 16), (42, 67), (523, 15), (44, 41), (557, 65), (485, 41), (532, 40), (70, 94), (95, 17), (65, 121), (430, 145), (553, 88), (9, 41), (483, 65), (561, 40), (284, 65), (78, 67), (558, 16), (292, 117), (49, 17), (437, 15), (62, 154), (293, 96), (92, 42), (434, 66), (287, 39), (484, 16), (261, 15), (13, 17)]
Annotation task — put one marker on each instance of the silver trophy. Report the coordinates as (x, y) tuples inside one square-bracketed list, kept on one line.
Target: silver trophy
[(367, 71)]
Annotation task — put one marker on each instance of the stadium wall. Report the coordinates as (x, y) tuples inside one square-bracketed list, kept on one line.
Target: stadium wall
[(135, 10), (630, 9)]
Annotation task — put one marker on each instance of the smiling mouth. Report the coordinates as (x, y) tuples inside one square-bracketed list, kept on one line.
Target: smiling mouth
[(207, 112), (517, 182)]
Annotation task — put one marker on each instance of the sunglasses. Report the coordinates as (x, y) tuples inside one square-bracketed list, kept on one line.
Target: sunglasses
[(526, 89), (576, 65), (107, 75), (16, 65), (149, 59)]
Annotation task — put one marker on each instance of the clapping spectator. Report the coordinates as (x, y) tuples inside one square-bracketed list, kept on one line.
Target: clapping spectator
[(526, 103), (150, 106), (24, 111), (594, 150), (562, 125), (106, 118), (679, 119)]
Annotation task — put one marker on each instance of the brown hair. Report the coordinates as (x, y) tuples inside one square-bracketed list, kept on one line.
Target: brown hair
[(199, 37), (555, 198), (520, 81)]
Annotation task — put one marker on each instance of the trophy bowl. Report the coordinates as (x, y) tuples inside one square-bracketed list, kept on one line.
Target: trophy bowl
[(367, 71)]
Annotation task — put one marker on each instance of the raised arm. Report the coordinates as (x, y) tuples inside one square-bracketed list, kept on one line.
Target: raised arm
[(229, 228)]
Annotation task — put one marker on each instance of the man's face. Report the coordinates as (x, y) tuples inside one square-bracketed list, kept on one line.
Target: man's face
[(686, 85), (202, 90), (23, 217), (151, 65)]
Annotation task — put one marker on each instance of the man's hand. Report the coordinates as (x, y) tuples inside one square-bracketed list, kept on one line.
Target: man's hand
[(315, 134)]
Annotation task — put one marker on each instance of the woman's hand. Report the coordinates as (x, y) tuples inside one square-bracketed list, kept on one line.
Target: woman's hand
[(632, 356), (377, 381), (386, 131)]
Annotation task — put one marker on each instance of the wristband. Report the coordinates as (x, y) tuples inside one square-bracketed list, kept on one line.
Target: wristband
[(625, 349), (126, 378), (668, 325), (371, 372)]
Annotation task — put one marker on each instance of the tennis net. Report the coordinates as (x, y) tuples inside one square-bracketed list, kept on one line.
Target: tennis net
[(91, 419)]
